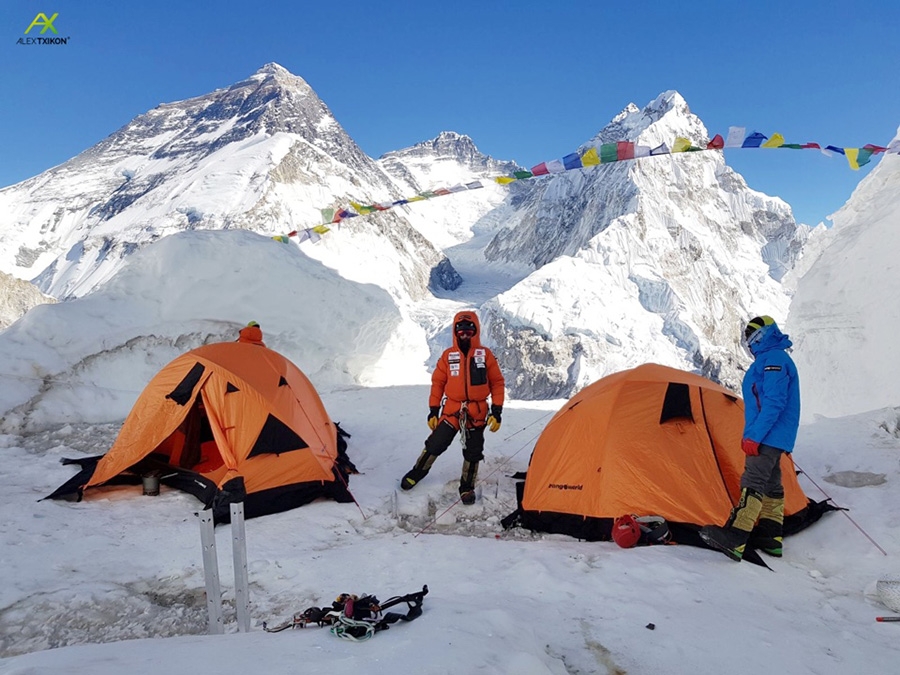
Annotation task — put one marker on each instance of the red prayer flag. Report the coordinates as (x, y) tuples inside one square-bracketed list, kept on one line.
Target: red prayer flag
[(624, 150), (540, 170), (874, 149), (717, 143), (811, 146)]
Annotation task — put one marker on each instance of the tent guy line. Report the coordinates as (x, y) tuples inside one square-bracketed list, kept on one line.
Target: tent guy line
[(596, 155), (841, 509)]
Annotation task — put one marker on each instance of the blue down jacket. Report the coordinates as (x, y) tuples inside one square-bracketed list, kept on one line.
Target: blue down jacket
[(771, 390)]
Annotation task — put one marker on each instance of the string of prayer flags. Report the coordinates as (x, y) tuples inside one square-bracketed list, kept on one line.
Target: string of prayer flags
[(738, 137), (605, 153)]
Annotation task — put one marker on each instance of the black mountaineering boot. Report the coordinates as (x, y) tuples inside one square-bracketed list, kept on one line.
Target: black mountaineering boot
[(767, 535), (467, 482), (732, 538), (419, 471)]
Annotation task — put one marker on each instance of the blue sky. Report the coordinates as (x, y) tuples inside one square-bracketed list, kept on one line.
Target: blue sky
[(528, 81)]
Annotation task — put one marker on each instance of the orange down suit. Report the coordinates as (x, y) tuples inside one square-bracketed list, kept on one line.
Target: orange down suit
[(470, 376)]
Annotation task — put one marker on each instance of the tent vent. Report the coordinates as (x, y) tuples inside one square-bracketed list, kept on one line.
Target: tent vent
[(276, 437), (230, 389), (677, 404), (282, 382), (184, 392)]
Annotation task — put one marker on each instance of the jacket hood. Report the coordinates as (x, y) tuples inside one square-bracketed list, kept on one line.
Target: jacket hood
[(772, 338), (467, 316)]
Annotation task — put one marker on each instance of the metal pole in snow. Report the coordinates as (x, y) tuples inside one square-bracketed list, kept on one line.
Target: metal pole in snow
[(241, 585), (211, 573)]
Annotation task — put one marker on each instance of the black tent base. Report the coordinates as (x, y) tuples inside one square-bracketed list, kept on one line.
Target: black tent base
[(600, 529)]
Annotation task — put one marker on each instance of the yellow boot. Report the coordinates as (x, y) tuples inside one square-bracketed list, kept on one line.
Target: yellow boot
[(732, 538), (767, 536)]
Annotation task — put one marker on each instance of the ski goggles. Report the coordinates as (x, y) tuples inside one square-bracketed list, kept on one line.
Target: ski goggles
[(748, 342)]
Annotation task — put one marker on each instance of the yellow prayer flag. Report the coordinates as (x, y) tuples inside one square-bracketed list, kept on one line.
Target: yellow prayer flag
[(681, 144), (852, 157), (321, 229), (590, 158), (504, 180), (417, 198), (776, 141)]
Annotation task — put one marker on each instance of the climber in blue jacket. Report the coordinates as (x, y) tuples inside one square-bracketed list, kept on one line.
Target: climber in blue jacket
[(771, 391)]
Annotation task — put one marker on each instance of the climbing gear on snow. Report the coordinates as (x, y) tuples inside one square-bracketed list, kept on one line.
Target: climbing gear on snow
[(356, 618), (654, 530), (626, 532), (630, 530)]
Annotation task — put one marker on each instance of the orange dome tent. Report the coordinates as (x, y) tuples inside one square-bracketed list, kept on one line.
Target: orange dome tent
[(651, 440), (225, 422)]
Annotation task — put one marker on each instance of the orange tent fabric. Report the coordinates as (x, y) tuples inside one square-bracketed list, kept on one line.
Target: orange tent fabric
[(648, 441), (243, 417)]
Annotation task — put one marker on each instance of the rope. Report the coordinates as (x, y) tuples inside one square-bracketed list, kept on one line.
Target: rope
[(842, 509)]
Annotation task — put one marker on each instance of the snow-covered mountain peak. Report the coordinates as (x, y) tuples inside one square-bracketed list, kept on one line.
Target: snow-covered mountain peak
[(264, 154), (446, 146), (627, 111), (675, 246), (667, 101), (660, 121), (276, 70)]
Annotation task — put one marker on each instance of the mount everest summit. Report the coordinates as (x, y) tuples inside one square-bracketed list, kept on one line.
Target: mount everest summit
[(575, 275)]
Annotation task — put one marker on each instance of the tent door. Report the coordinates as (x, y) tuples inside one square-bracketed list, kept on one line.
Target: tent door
[(192, 445)]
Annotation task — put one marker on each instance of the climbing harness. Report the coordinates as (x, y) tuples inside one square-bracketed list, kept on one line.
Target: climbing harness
[(355, 618)]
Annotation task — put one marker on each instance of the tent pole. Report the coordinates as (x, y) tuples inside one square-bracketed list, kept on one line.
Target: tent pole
[(241, 585), (211, 573)]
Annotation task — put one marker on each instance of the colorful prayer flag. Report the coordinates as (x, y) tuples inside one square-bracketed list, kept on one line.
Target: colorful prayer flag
[(681, 144), (555, 166), (754, 140), (362, 209), (776, 141), (735, 137), (572, 161), (624, 150), (590, 158), (608, 152), (717, 143)]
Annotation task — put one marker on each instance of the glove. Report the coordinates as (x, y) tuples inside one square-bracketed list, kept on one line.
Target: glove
[(750, 448), (493, 420), (434, 417)]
